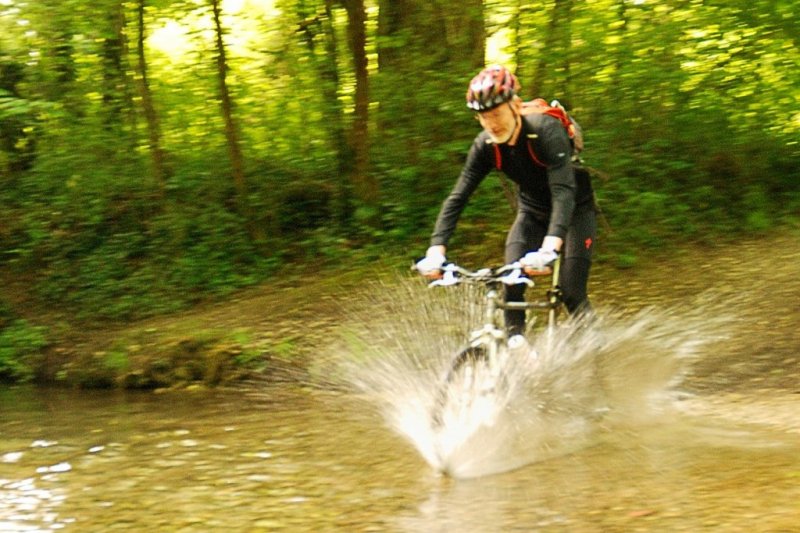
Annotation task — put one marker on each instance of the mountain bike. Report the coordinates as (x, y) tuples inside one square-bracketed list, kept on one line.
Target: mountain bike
[(478, 368)]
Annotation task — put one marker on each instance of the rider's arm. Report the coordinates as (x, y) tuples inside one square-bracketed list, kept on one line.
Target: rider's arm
[(478, 165), (556, 152)]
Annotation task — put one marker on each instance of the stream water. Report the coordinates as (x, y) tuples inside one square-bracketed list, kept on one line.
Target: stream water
[(284, 457), (292, 459), (698, 431)]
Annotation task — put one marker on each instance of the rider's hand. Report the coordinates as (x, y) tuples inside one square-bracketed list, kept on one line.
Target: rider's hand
[(539, 263), (430, 266), (551, 242)]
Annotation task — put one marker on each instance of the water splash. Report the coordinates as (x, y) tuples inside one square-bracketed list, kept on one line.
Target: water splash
[(617, 371)]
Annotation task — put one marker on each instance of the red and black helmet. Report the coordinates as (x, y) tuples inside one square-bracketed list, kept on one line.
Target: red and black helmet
[(493, 86)]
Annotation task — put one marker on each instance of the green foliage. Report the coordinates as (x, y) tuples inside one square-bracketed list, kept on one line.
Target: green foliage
[(142, 266), (183, 355), (691, 109), (20, 344)]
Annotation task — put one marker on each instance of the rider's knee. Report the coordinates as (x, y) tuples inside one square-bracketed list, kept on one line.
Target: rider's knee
[(515, 293), (576, 302)]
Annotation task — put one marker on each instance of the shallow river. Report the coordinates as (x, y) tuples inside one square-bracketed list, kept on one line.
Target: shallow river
[(291, 459), (724, 456)]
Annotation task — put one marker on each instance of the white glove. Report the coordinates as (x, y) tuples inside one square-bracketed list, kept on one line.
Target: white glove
[(431, 263), (539, 261)]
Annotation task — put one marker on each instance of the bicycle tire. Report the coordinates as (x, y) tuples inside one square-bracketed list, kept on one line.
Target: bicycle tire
[(469, 357)]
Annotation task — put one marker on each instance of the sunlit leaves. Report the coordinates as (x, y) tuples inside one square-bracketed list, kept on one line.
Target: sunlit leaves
[(692, 106), (746, 70)]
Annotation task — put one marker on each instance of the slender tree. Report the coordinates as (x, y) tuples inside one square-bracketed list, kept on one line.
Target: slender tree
[(365, 185), (113, 54), (231, 127), (118, 84), (556, 52), (329, 73), (17, 145), (516, 38), (320, 25), (157, 154), (427, 53)]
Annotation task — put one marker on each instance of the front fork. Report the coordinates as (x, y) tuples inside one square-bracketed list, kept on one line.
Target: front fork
[(554, 298), (490, 336)]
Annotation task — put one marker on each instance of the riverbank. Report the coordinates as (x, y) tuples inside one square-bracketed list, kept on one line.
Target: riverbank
[(270, 331), (262, 332)]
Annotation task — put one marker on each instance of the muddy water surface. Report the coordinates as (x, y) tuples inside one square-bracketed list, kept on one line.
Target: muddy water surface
[(288, 459)]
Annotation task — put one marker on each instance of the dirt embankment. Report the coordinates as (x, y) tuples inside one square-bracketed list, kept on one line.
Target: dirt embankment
[(267, 330)]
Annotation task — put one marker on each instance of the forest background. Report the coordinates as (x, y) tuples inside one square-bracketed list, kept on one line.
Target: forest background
[(156, 153)]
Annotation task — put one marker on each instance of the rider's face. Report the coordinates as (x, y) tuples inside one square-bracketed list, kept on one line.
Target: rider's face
[(499, 122)]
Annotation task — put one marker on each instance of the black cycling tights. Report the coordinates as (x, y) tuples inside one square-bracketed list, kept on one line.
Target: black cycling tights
[(526, 234)]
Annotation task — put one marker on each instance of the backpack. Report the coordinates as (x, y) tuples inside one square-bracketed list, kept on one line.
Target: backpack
[(557, 111)]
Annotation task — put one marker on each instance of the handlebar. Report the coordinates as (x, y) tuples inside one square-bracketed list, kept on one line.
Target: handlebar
[(510, 274)]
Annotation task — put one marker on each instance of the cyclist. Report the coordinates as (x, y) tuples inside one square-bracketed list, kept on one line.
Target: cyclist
[(555, 213)]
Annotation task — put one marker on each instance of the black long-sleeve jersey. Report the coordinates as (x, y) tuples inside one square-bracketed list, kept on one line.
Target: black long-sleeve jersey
[(539, 163)]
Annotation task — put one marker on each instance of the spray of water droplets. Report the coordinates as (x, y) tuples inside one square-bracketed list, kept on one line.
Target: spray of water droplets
[(550, 399)]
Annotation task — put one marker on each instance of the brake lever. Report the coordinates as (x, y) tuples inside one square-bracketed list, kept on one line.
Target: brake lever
[(449, 277), (515, 276)]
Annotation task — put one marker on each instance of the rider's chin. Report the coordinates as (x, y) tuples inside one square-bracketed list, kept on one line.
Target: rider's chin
[(501, 137)]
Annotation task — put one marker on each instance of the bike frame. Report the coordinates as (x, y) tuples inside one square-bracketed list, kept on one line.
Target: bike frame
[(489, 342), (491, 335)]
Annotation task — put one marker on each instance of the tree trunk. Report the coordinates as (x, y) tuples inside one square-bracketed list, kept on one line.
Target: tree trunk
[(465, 35), (231, 129), (428, 52), (519, 57), (445, 34), (554, 55), (365, 186), (113, 70), (132, 117), (345, 159), (150, 114), (314, 25), (620, 53)]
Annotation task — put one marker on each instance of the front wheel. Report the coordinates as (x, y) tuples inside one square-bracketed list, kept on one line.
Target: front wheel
[(470, 375)]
